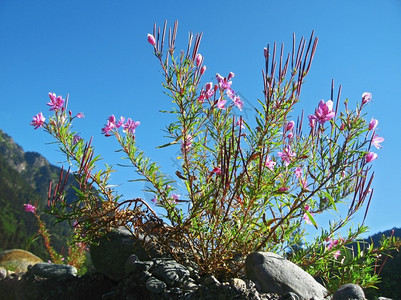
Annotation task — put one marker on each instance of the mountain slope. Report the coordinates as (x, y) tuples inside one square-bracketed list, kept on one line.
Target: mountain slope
[(25, 178)]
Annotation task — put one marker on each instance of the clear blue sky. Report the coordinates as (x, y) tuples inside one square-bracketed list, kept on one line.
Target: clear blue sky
[(97, 52)]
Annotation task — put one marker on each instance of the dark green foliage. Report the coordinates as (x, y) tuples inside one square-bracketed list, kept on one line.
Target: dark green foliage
[(390, 285), (25, 178)]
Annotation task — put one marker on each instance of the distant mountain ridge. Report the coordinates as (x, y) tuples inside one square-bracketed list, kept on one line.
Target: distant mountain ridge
[(25, 178)]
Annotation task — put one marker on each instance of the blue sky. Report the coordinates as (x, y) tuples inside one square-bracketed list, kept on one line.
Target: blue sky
[(97, 52)]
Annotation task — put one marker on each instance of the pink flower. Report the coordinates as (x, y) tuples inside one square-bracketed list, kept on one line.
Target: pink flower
[(366, 97), (130, 126), (186, 144), (287, 155), (38, 120), (290, 125), (56, 103), (120, 122), (283, 189), (238, 102), (221, 103), (376, 140), (298, 172), (223, 82), (306, 217), (203, 69), (240, 123), (370, 156), (198, 59), (151, 39), (216, 170), (312, 120), (110, 125), (331, 243), (29, 208), (336, 254), (373, 124), (270, 163), (175, 198), (80, 116), (323, 113), (154, 200), (230, 75)]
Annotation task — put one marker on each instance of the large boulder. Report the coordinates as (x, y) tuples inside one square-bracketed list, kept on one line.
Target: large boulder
[(274, 274), (17, 260)]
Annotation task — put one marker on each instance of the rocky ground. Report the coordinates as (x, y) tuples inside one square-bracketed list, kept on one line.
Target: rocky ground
[(121, 272)]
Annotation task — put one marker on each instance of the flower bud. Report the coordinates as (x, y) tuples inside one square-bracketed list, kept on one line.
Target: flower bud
[(370, 156), (208, 86), (265, 53), (366, 97), (203, 69), (198, 59), (290, 125), (373, 123), (230, 75), (151, 39)]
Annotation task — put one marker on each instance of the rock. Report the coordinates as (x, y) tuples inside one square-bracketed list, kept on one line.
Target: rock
[(134, 266), (30, 286), (155, 285), (171, 272), (110, 254), (3, 273), (238, 285), (17, 260), (290, 296), (274, 274), (349, 291), (47, 270)]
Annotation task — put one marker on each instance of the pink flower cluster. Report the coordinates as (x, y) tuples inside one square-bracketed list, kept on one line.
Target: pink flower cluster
[(323, 113), (224, 84), (306, 217), (287, 155), (38, 120), (29, 208), (129, 125), (331, 243), (56, 102)]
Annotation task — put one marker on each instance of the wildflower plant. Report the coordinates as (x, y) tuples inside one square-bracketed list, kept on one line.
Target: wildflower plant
[(249, 185), (77, 251)]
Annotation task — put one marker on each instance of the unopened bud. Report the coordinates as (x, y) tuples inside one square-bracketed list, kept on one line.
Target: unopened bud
[(198, 59), (151, 39)]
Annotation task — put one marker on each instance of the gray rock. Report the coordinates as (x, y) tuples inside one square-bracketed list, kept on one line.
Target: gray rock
[(3, 273), (171, 272), (134, 266), (349, 291), (290, 296), (155, 285), (47, 270), (110, 254), (274, 274)]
